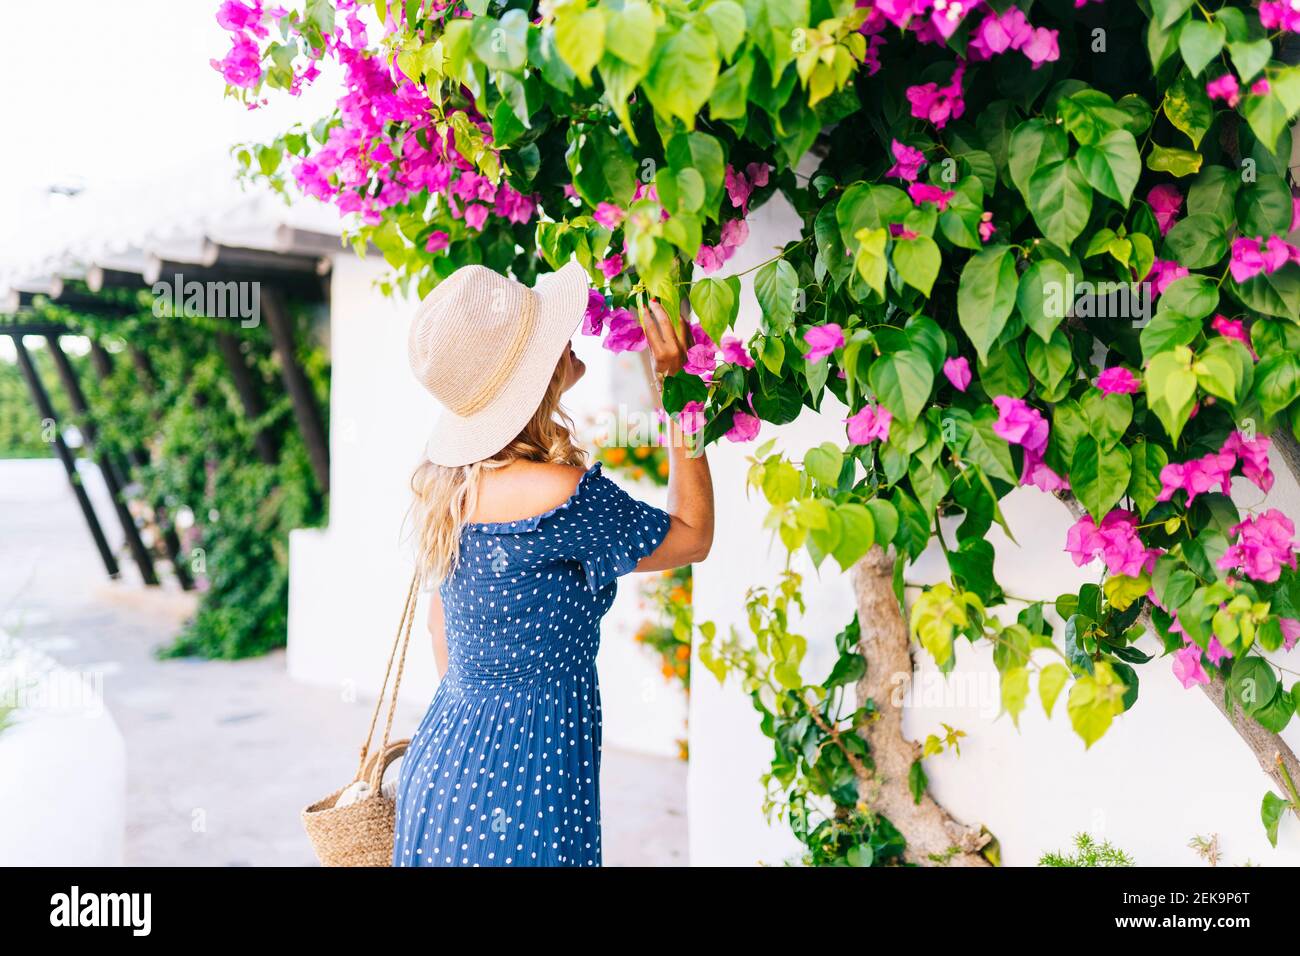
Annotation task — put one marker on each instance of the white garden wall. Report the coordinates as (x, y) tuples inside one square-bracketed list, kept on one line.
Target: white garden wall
[(63, 760)]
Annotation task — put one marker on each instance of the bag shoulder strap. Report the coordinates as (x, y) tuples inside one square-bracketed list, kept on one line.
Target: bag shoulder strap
[(402, 640)]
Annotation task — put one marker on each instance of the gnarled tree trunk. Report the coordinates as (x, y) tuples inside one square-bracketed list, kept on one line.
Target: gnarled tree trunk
[(933, 837)]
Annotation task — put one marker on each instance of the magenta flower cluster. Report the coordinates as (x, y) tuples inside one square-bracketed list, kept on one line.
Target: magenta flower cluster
[(1019, 423), (1204, 474), (1115, 540), (1263, 545)]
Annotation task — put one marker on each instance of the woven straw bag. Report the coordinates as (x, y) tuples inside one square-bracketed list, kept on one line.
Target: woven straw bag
[(361, 833)]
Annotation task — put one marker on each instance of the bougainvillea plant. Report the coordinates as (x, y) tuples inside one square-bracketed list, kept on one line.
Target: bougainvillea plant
[(1040, 244)]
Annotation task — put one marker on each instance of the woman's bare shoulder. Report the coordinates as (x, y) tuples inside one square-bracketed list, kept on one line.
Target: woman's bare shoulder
[(525, 488)]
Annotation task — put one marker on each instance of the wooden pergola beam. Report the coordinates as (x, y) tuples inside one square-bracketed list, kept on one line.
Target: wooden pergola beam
[(21, 300)]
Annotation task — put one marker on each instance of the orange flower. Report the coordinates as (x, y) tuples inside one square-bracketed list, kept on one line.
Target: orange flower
[(663, 468), (616, 456), (683, 652), (669, 672), (642, 452)]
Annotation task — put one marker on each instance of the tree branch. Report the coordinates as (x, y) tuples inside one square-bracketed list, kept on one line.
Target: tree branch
[(1270, 750)]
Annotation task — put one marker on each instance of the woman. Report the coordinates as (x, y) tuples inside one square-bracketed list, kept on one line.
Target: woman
[(523, 543)]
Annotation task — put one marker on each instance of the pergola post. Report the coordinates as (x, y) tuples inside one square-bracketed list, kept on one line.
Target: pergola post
[(77, 399), (103, 365), (46, 410), (305, 409), (249, 395)]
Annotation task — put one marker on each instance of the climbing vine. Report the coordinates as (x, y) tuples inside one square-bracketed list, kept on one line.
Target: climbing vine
[(1039, 244), (177, 426)]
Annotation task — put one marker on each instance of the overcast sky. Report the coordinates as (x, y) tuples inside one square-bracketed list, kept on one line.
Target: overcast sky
[(118, 97)]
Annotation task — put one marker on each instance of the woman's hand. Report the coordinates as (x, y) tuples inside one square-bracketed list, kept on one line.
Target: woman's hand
[(668, 345)]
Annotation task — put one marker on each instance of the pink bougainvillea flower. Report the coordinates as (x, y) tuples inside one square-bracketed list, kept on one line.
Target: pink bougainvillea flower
[(1216, 652), (1262, 548), (1253, 455), (1020, 424), (1188, 669), (1198, 476), (907, 161), (999, 32), (823, 340), (1115, 539), (924, 192), (700, 337), (1279, 14), (1230, 328), (1163, 273), (611, 266), (241, 66), (758, 173), (625, 332), (939, 104), (692, 417), (701, 360), (513, 206), (236, 17), (1290, 632), (986, 227), (871, 60), (475, 215), (1165, 202), (744, 427), (1041, 47), (733, 235), (593, 319), (1118, 381), (1037, 473), (1260, 87), (1224, 88), (609, 215), (1276, 252), (868, 425), (437, 241), (738, 188), (733, 352), (1247, 259), (946, 15), (957, 371), (709, 259), (1233, 329)]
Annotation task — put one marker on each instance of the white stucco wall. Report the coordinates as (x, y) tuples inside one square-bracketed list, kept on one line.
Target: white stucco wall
[(1167, 770), (347, 581), (63, 787)]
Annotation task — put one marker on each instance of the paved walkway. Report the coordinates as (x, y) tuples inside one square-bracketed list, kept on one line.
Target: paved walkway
[(221, 756)]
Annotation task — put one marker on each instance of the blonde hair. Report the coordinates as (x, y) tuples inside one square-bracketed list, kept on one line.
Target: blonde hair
[(445, 496)]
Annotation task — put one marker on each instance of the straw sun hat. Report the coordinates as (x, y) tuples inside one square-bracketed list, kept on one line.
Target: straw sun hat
[(485, 347)]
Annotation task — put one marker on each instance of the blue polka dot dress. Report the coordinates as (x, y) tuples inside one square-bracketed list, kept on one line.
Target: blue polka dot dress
[(504, 769)]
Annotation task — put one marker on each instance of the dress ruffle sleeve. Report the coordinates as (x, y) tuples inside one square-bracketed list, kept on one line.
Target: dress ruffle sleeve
[(605, 529)]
